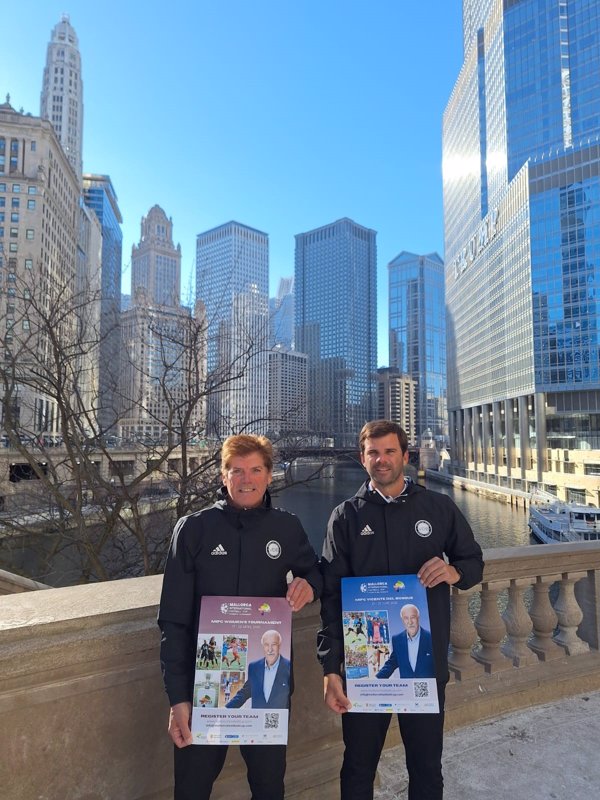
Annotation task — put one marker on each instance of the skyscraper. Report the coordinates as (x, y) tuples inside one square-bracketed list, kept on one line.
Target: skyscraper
[(335, 288), (62, 91), (281, 310), (100, 196), (232, 276), (156, 262), (521, 172), (39, 199), (418, 335)]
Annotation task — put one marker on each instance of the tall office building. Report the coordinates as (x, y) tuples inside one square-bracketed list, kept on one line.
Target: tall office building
[(521, 172), (396, 399), (335, 289), (156, 262), (232, 276), (418, 335), (39, 197), (281, 310), (287, 391), (100, 196), (62, 91)]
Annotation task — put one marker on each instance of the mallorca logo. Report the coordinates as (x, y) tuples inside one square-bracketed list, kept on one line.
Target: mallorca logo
[(273, 549), (264, 608), (364, 587), (423, 528), (224, 608), (398, 585)]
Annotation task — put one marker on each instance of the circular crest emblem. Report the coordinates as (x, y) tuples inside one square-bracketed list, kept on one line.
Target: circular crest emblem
[(273, 549), (423, 528)]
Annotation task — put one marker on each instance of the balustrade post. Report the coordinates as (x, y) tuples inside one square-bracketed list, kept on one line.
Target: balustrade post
[(491, 629), (544, 620), (569, 615), (462, 636), (518, 625)]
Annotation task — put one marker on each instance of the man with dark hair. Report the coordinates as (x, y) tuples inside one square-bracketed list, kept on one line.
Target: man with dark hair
[(393, 527), (239, 546)]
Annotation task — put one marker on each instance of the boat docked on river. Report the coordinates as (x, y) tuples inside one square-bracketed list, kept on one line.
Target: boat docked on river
[(552, 520)]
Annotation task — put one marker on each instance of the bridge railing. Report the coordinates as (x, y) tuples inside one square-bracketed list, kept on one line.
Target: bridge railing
[(535, 604)]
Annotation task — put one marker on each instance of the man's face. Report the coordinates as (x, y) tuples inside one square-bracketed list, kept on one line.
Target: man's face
[(246, 480), (271, 645), (410, 618), (384, 461)]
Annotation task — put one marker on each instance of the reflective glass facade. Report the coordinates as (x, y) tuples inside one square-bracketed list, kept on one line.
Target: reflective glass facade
[(521, 167), (100, 196), (232, 277), (418, 335), (335, 288)]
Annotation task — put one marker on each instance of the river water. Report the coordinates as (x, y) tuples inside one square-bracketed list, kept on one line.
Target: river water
[(494, 523)]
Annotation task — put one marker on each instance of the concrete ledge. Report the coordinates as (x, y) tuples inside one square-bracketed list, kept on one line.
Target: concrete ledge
[(84, 712)]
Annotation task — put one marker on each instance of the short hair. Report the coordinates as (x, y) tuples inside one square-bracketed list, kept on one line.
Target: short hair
[(381, 427), (406, 606), (266, 633), (244, 444)]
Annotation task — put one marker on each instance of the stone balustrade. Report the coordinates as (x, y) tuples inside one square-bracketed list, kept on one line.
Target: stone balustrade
[(84, 713)]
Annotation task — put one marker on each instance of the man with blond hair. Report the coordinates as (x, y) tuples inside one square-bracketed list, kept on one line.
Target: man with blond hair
[(240, 546)]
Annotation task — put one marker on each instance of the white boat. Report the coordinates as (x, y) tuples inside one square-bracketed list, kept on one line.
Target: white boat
[(551, 520)]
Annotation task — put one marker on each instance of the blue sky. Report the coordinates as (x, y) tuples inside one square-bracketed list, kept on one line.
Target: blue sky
[(282, 115)]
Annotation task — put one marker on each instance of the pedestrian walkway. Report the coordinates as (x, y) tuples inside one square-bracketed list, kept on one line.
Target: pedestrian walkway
[(547, 752)]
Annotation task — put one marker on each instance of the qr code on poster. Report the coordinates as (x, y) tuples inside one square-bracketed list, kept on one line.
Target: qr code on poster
[(421, 689), (271, 721)]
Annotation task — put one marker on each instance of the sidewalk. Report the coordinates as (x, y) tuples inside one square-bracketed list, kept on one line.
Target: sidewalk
[(548, 752)]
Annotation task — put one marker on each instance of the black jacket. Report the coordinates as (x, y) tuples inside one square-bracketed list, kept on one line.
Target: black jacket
[(222, 550), (368, 536)]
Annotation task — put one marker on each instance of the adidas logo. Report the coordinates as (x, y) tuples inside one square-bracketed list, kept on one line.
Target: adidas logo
[(367, 531), (219, 551)]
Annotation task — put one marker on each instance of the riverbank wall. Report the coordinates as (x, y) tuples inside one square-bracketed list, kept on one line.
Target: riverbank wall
[(515, 497)]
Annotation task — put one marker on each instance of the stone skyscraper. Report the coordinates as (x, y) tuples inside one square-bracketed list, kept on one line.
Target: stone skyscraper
[(156, 262), (62, 91), (521, 174), (232, 277), (336, 306)]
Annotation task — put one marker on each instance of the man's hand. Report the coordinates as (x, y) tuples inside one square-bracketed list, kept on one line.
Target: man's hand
[(299, 593), (179, 724), (435, 571), (334, 695)]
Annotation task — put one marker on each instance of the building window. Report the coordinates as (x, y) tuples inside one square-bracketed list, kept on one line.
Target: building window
[(31, 190), (13, 248), (33, 145), (31, 204), (25, 324), (15, 202), (16, 188), (14, 217), (14, 232), (28, 263), (29, 234)]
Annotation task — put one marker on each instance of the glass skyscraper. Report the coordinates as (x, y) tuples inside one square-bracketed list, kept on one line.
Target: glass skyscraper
[(521, 170), (418, 335), (100, 196), (335, 288), (232, 281)]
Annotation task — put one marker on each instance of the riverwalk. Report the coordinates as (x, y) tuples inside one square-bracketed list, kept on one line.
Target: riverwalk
[(548, 752)]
